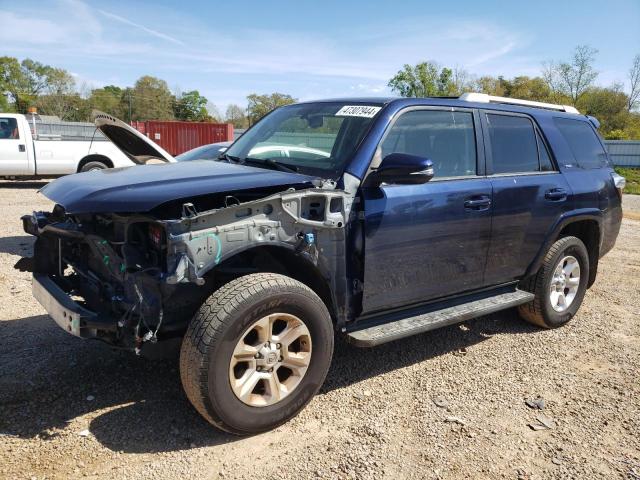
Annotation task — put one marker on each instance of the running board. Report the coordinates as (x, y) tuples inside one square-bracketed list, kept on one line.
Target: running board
[(394, 328)]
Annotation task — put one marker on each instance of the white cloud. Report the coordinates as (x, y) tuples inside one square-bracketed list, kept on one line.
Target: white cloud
[(150, 31), (368, 88), (16, 28), (104, 47)]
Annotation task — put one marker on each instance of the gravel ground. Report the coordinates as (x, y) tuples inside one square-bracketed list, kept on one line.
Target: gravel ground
[(631, 206), (448, 404)]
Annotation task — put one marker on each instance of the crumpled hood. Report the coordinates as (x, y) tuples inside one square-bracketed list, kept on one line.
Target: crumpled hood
[(142, 188)]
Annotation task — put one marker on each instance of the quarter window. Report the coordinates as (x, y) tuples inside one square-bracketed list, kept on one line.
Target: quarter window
[(583, 142), (514, 147), (447, 138)]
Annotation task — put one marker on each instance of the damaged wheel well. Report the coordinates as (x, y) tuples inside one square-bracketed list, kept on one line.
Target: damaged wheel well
[(274, 259)]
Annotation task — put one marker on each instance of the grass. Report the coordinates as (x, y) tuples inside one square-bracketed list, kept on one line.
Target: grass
[(633, 179)]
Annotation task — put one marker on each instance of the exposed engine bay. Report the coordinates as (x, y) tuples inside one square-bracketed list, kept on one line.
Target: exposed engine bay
[(141, 277)]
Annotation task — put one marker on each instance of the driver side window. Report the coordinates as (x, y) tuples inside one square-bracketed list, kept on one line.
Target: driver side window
[(445, 137)]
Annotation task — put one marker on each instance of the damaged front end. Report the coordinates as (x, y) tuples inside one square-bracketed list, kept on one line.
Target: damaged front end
[(134, 279), (101, 276)]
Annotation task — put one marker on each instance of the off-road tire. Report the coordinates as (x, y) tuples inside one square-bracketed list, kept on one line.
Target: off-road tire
[(217, 327), (93, 166), (539, 311)]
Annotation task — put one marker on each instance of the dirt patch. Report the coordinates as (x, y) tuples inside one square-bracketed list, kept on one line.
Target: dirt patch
[(448, 404)]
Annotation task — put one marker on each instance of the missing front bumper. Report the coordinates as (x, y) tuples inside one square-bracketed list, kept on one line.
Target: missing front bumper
[(68, 314)]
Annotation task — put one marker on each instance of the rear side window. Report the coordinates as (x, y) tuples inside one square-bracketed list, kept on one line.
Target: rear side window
[(445, 137), (514, 147), (583, 142)]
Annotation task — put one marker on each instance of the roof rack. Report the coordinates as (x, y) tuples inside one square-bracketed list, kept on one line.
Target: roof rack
[(485, 98)]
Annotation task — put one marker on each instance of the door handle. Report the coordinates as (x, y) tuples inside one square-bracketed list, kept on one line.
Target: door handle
[(481, 202), (555, 195), (21, 148)]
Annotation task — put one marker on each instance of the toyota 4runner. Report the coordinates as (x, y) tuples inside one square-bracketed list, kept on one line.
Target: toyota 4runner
[(374, 218)]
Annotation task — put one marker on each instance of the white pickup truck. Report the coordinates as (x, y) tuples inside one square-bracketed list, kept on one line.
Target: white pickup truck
[(24, 152)]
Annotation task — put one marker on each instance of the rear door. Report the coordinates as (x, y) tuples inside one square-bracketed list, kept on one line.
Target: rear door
[(529, 193), (428, 241), (14, 158)]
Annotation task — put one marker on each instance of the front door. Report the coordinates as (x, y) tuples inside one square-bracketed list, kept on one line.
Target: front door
[(428, 241), (14, 159)]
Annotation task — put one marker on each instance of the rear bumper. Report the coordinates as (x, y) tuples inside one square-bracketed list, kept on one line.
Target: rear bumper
[(68, 314)]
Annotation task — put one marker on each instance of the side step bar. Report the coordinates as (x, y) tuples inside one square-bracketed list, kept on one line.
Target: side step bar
[(395, 329)]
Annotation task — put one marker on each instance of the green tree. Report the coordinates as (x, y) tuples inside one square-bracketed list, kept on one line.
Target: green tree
[(236, 116), (423, 80), (259, 105), (59, 96), (572, 78), (23, 81), (30, 83), (446, 85), (109, 99), (191, 106), (528, 88), (491, 85), (11, 82), (608, 105), (150, 99), (5, 106)]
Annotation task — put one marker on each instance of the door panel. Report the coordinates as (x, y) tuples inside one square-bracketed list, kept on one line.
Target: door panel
[(422, 242), (525, 208), (14, 159)]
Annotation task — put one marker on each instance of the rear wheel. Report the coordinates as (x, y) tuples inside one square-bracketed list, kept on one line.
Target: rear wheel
[(559, 286), (90, 166), (256, 352)]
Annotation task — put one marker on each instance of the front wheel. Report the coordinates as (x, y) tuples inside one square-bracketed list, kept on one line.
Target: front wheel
[(256, 352), (559, 286)]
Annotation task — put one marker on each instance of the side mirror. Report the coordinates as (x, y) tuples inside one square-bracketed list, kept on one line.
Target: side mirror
[(403, 169)]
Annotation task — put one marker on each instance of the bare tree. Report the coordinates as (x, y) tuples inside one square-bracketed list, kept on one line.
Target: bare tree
[(634, 80), (572, 78), (462, 80), (550, 76)]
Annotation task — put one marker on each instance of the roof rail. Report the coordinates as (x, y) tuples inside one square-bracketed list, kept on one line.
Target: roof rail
[(485, 98)]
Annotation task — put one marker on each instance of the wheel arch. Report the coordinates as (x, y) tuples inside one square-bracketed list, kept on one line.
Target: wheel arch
[(94, 157), (585, 225), (283, 259)]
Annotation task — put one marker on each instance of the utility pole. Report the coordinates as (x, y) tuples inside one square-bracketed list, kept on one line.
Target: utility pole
[(129, 106)]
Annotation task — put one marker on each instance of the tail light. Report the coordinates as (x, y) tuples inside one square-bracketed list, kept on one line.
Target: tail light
[(619, 181), (156, 235)]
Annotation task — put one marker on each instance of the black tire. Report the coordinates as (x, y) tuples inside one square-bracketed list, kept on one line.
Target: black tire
[(94, 165), (217, 327), (540, 311)]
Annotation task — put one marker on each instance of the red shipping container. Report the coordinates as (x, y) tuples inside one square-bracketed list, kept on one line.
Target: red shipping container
[(178, 137)]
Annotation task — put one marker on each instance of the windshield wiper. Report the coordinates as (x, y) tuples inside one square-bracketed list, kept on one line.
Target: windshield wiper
[(283, 167), (259, 161)]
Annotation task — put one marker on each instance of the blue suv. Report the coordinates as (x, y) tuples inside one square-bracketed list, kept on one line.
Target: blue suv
[(373, 218)]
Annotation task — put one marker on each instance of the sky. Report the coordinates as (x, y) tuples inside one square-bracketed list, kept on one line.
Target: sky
[(311, 49)]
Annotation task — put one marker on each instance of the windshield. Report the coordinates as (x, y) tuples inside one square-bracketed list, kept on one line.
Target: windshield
[(311, 138), (206, 152)]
